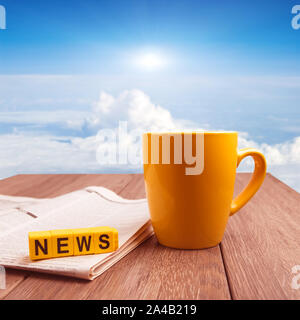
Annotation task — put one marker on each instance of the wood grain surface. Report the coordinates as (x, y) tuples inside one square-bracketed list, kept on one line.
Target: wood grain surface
[(262, 244), (254, 260)]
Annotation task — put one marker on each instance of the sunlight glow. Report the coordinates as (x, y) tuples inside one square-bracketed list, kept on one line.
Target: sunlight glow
[(150, 61)]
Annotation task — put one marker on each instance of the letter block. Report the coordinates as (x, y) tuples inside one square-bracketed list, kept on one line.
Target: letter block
[(62, 243), (83, 241), (40, 245), (116, 238), (105, 239), (69, 242)]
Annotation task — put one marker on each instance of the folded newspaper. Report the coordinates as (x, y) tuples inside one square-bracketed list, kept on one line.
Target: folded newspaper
[(88, 207)]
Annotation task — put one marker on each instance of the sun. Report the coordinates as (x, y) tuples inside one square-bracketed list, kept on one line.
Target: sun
[(150, 61)]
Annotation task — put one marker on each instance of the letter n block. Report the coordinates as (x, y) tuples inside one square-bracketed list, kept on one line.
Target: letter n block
[(40, 245), (83, 241), (103, 239), (62, 242)]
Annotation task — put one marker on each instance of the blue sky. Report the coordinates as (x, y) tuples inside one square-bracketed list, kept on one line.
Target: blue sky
[(230, 65), (93, 36)]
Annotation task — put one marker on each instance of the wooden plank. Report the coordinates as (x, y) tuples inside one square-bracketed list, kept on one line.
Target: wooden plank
[(50, 186), (13, 279), (53, 185), (261, 243), (149, 272)]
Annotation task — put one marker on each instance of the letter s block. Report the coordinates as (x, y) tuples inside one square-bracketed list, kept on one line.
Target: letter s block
[(116, 238), (104, 239), (62, 242), (83, 241), (40, 245)]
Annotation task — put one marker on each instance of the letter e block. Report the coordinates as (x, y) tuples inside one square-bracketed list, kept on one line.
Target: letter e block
[(62, 242), (83, 241), (40, 245)]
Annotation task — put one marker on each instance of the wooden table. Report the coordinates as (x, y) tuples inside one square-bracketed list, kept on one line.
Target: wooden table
[(254, 261)]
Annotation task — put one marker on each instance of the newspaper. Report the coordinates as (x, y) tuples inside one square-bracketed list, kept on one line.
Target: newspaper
[(88, 207)]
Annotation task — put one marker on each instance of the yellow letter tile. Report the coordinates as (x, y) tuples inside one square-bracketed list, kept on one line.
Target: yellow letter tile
[(40, 245), (116, 238), (62, 242), (103, 239), (83, 241)]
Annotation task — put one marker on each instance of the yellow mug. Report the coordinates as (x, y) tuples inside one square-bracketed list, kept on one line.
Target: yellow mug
[(190, 202)]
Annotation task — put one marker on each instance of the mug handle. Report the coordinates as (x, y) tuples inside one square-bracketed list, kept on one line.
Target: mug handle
[(256, 179)]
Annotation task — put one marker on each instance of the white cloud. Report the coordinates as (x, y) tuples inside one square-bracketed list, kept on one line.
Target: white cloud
[(65, 119), (277, 154), (105, 103), (28, 152), (135, 107), (283, 159)]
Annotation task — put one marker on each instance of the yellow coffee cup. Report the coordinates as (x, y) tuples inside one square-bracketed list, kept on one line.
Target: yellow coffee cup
[(189, 179)]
